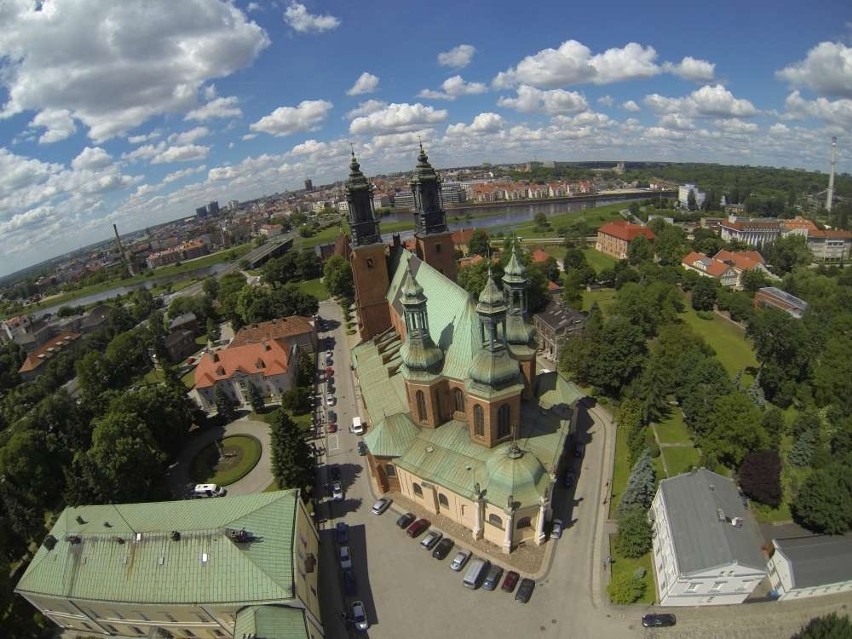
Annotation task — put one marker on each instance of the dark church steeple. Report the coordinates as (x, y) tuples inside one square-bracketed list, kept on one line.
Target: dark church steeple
[(429, 214), (359, 196)]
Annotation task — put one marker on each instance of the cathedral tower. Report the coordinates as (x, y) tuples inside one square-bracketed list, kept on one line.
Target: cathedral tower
[(433, 240), (519, 334), (368, 258)]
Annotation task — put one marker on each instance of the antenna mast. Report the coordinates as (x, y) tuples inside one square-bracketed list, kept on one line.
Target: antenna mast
[(829, 196)]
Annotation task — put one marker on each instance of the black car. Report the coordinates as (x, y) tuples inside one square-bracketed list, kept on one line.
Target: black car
[(525, 590), (362, 448), (334, 473), (350, 586), (406, 520), (658, 621), (341, 531), (443, 548)]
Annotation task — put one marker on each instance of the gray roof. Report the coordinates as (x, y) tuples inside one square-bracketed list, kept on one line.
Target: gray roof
[(700, 507), (558, 317), (180, 320), (817, 560)]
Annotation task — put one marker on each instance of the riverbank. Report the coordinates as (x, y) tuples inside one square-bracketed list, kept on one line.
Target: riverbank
[(624, 194)]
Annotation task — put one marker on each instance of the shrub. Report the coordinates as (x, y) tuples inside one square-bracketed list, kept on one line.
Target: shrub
[(760, 477), (654, 450), (625, 589), (634, 533)]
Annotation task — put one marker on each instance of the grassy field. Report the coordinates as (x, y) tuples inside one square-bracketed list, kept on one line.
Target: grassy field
[(680, 459), (597, 260), (315, 288), (605, 298), (726, 338), (622, 565), (208, 468), (673, 430), (620, 470)]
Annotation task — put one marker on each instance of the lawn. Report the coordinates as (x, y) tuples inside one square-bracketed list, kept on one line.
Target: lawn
[(622, 565), (726, 338), (605, 297), (315, 288), (597, 260), (242, 452), (673, 430), (680, 459), (620, 470)]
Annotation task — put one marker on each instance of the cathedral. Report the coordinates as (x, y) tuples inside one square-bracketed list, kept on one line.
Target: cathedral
[(459, 421)]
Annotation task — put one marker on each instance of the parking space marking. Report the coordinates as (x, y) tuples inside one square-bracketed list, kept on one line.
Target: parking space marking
[(333, 443)]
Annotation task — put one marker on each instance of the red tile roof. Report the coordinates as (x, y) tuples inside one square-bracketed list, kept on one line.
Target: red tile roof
[(462, 237), (539, 256), (275, 329), (47, 350), (268, 357), (833, 234), (626, 231), (709, 265), (743, 260)]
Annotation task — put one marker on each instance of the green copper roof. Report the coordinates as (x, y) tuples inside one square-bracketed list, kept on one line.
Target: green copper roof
[(495, 368), (423, 171), (514, 273), (411, 293), (392, 436), (356, 181), (491, 298), (148, 566), (523, 478), (517, 330), (271, 622)]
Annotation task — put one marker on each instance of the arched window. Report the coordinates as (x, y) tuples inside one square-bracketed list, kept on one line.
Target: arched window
[(443, 501), (478, 421), (495, 520), (458, 395), (390, 469), (418, 491), (524, 522), (503, 426), (421, 406)]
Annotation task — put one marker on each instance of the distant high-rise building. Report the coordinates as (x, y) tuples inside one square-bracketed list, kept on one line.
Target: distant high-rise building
[(201, 212), (309, 185), (213, 208)]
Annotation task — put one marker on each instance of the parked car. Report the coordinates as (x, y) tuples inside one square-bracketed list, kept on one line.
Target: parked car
[(329, 360), (568, 480), (362, 448), (329, 372), (337, 491), (341, 531), (406, 520), (580, 450), (418, 528), (381, 505), (350, 586), (431, 539), (359, 616), (329, 399), (329, 354), (443, 548), (345, 557), (556, 529), (332, 416), (331, 427), (525, 590), (492, 579), (509, 581), (662, 620), (334, 472), (459, 560)]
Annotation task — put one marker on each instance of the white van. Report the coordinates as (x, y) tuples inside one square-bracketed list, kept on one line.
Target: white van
[(208, 490), (357, 426), (476, 572)]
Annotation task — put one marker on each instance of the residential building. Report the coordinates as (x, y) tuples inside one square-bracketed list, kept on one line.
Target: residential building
[(295, 330), (187, 568), (185, 321), (782, 300), (554, 326), (707, 548), (36, 360), (461, 239), (710, 267), (269, 366), (180, 344), (750, 232), (810, 566), (830, 245), (185, 251), (403, 200), (683, 192), (797, 226), (452, 193), (459, 422), (614, 237), (270, 230)]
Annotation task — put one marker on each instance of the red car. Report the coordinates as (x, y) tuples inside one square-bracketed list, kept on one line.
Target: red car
[(509, 581), (329, 372), (332, 427), (418, 528)]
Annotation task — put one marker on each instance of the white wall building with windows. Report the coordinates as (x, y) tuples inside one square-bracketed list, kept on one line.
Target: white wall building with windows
[(707, 549)]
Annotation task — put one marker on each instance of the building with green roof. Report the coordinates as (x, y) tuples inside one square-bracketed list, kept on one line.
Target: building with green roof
[(211, 568)]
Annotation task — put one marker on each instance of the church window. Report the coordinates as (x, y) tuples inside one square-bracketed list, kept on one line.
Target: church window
[(458, 395), (369, 262), (495, 520), (443, 501), (437, 248), (503, 427), (524, 522), (390, 469), (478, 421), (421, 406), (418, 491)]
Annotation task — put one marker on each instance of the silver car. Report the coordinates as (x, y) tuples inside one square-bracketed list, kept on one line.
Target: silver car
[(359, 616), (459, 560)]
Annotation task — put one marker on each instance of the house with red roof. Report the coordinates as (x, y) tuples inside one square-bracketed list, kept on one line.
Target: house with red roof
[(36, 361), (614, 237), (710, 267)]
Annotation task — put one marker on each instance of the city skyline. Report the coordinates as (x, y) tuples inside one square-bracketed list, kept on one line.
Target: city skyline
[(136, 113)]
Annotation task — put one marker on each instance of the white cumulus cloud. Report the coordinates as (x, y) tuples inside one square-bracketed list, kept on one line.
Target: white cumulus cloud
[(834, 112), (397, 118), (307, 116), (91, 158), (453, 87), (300, 19), (58, 124), (708, 101), (692, 69), (366, 108), (531, 100), (366, 83), (217, 108), (112, 71), (482, 123), (457, 57), (631, 106), (827, 70), (190, 136)]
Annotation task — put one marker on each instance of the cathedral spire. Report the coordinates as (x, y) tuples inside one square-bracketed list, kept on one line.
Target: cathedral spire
[(429, 213), (492, 366), (359, 197), (419, 353)]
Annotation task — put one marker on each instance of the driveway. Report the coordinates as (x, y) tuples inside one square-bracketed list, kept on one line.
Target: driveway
[(256, 481)]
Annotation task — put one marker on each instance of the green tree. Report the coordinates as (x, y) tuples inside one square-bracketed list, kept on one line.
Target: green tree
[(735, 429), (641, 484), (824, 501), (707, 241), (337, 274), (671, 245), (255, 398), (629, 419), (572, 289), (704, 294), (753, 280), (292, 459), (832, 373), (760, 477), (297, 400), (479, 244), (541, 221), (618, 355), (831, 626), (634, 533), (626, 588), (640, 250), (803, 448), (224, 404), (786, 253)]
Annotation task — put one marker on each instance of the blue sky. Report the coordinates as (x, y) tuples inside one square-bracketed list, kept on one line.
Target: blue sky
[(136, 112)]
